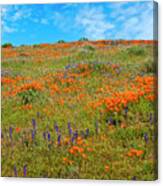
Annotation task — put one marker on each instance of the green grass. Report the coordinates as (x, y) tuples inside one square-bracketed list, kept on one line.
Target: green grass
[(110, 146)]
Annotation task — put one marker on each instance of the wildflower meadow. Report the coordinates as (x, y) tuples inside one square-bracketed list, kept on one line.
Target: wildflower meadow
[(80, 110)]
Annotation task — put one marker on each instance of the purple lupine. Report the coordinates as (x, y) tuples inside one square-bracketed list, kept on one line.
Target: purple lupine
[(96, 127), (70, 131), (25, 170), (69, 128), (150, 118), (44, 135), (56, 128), (87, 132), (1, 134), (72, 139), (48, 136), (10, 132), (75, 134), (34, 123), (15, 171), (146, 137), (133, 178), (111, 121), (68, 66), (69, 125), (33, 134), (59, 139), (126, 111)]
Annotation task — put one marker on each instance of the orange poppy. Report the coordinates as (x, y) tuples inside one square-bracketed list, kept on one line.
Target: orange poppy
[(107, 168), (17, 129)]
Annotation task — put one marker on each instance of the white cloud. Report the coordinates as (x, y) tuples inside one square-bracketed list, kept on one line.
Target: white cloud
[(145, 28), (88, 20), (17, 16), (93, 22), (7, 29), (58, 18), (4, 26), (122, 20), (133, 22), (63, 21), (116, 9), (11, 14)]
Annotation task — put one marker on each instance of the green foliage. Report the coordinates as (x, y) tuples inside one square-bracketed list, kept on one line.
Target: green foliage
[(36, 46), (23, 45), (89, 48), (149, 66), (83, 39), (28, 96), (7, 45), (86, 52), (136, 50), (144, 107), (110, 147), (61, 41)]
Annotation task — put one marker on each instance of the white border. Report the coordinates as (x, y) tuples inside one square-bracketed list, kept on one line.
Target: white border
[(42, 182)]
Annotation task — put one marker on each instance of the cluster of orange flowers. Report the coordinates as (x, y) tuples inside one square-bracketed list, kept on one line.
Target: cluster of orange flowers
[(75, 149), (13, 87), (151, 97), (147, 86), (26, 107), (9, 53), (54, 88), (79, 149), (7, 80), (18, 129), (35, 85), (63, 49), (69, 81), (11, 81), (40, 52), (67, 161), (107, 168), (143, 86), (134, 152)]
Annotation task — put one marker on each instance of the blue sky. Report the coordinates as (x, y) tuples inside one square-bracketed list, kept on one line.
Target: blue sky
[(48, 23)]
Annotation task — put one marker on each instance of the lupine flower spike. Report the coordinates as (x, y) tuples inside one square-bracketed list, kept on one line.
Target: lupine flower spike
[(96, 127), (59, 139), (10, 132), (48, 136), (56, 128), (87, 133), (25, 170), (15, 171), (34, 123), (146, 138)]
